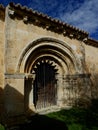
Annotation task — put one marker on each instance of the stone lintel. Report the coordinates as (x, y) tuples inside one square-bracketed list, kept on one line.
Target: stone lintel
[(19, 76), (75, 76), (14, 76)]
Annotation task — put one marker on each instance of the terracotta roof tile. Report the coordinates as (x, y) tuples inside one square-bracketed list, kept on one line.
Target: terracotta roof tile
[(92, 42), (20, 7)]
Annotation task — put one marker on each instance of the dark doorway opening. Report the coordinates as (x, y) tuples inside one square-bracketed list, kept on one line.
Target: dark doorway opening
[(45, 85)]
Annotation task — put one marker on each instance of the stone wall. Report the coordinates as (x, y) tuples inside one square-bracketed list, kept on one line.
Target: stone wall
[(19, 36), (2, 39), (91, 59), (22, 41)]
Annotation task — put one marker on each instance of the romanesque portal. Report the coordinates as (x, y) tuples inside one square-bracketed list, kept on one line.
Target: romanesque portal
[(45, 64)]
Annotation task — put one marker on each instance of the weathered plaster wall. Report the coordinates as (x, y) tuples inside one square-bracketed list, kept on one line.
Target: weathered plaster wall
[(1, 64), (91, 58)]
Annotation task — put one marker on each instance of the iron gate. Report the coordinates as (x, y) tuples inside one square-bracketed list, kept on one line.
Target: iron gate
[(45, 86)]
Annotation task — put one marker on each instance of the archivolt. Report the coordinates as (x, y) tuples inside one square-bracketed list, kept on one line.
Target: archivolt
[(49, 46)]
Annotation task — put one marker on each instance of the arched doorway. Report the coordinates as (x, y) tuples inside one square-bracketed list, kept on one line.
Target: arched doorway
[(46, 62), (45, 85)]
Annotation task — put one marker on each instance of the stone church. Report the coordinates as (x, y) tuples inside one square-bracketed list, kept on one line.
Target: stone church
[(45, 64)]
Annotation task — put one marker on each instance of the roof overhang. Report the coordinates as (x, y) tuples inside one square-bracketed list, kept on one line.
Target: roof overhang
[(2, 12), (46, 22), (39, 19)]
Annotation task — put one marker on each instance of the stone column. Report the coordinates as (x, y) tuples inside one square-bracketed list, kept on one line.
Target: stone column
[(29, 105), (66, 87), (59, 90)]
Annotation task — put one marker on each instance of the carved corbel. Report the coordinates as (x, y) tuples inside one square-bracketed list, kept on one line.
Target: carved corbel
[(11, 13), (85, 40), (71, 35), (25, 19), (37, 22), (47, 27), (78, 36), (64, 33)]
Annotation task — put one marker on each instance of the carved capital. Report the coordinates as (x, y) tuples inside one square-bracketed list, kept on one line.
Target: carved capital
[(29, 76)]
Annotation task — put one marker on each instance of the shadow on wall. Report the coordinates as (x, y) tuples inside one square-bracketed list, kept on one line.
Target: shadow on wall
[(15, 110), (14, 114), (1, 103)]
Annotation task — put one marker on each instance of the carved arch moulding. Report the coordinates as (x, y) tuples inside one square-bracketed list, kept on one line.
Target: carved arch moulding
[(51, 50)]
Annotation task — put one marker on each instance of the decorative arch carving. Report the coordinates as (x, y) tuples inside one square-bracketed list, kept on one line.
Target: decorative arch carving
[(51, 47), (60, 62)]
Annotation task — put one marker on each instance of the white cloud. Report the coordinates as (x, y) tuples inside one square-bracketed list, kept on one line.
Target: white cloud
[(85, 17), (80, 13)]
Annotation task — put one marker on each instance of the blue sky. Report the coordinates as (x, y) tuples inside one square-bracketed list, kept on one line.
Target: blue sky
[(82, 14)]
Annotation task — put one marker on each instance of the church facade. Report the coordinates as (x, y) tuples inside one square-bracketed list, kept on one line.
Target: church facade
[(45, 64)]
